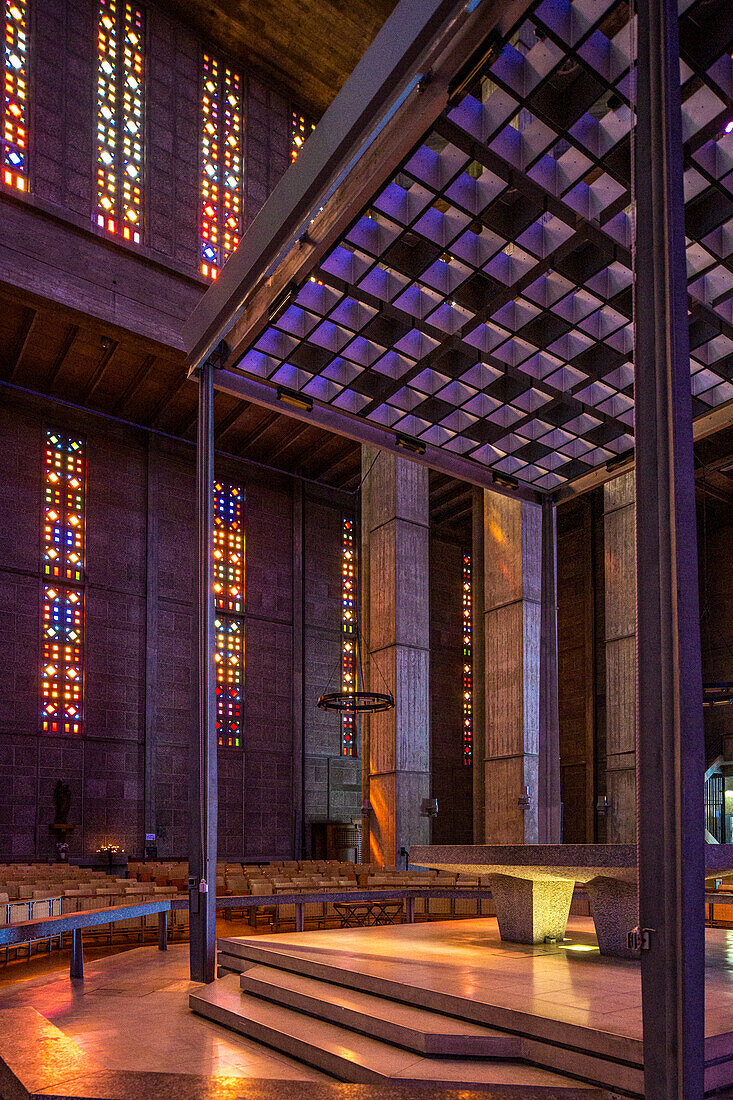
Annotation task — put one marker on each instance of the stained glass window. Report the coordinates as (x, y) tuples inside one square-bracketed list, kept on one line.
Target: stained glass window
[(229, 659), (229, 550), (348, 634), (63, 512), (221, 165), (15, 99), (61, 681), (63, 539), (467, 662), (120, 118), (300, 129)]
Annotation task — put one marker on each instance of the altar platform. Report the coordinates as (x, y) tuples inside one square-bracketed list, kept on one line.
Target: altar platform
[(450, 1003)]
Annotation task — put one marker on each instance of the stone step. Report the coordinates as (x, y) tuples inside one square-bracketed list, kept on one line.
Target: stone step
[(578, 1050), (361, 1059), (403, 1025)]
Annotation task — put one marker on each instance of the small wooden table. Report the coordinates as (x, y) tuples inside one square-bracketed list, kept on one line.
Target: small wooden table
[(359, 914)]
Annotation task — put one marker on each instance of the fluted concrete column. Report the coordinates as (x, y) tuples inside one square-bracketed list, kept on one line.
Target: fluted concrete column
[(512, 537), (395, 518), (620, 570)]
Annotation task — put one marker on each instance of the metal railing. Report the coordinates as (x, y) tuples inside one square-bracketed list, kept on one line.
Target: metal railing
[(42, 928)]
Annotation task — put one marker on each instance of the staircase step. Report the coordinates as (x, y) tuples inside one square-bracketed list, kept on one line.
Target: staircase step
[(404, 1025), (362, 1059)]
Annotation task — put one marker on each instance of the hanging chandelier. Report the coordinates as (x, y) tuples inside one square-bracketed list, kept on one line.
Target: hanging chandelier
[(356, 702)]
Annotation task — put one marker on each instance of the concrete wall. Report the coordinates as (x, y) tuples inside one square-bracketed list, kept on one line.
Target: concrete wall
[(63, 73), (139, 655), (452, 781)]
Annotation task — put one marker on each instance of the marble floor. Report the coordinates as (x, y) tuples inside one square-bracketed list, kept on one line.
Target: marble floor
[(466, 959), (131, 1013)]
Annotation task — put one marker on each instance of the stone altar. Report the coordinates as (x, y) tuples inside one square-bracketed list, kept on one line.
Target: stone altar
[(532, 885)]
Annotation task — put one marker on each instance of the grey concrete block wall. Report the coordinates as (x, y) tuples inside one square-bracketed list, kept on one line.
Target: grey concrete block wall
[(105, 768)]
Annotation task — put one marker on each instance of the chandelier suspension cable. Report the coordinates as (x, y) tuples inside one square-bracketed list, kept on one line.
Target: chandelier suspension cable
[(358, 700)]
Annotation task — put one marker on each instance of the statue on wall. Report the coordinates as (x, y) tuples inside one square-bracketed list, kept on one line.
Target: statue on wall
[(62, 802)]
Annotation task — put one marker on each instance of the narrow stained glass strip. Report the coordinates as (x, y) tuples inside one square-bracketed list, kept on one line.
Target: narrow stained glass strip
[(221, 165), (348, 635), (300, 129), (15, 100), (228, 552), (210, 168), (107, 116), (61, 676), (132, 124), (64, 506), (467, 662), (120, 118), (228, 547), (229, 660), (231, 167)]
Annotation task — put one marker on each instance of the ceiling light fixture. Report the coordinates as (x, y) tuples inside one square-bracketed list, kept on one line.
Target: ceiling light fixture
[(407, 443), (504, 480), (292, 397)]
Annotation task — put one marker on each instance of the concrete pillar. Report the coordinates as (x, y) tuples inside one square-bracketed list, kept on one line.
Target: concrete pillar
[(620, 569), (395, 518), (512, 544)]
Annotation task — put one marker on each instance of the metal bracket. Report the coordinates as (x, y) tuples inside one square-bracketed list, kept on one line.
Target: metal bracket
[(639, 939), (216, 359)]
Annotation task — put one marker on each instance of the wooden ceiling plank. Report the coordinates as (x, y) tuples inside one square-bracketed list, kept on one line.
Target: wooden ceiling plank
[(109, 347), (16, 357), (290, 441), (266, 422), (71, 334), (137, 379), (228, 421)]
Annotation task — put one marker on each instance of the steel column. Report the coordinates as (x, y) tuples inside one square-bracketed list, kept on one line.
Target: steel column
[(669, 732), (162, 931), (550, 810), (202, 865), (76, 966)]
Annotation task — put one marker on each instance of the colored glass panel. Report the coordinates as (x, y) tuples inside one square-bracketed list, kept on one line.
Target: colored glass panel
[(15, 98), (221, 165), (348, 634), (229, 552), (300, 129), (228, 547), (229, 660), (467, 662), (61, 676), (64, 505), (120, 119)]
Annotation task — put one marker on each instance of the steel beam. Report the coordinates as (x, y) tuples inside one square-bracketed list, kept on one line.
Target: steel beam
[(203, 823), (669, 729), (355, 427)]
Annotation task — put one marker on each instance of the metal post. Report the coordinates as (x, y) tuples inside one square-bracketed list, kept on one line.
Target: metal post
[(299, 917), (410, 910), (368, 457), (76, 969), (669, 735), (163, 930), (202, 864), (549, 817)]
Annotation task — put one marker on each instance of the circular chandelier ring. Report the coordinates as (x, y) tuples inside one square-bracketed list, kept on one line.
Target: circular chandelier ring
[(356, 702)]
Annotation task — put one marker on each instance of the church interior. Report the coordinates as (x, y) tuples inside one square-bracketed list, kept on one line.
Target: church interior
[(366, 692)]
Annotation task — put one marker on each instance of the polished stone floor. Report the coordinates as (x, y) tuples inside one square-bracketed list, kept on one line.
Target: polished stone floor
[(131, 1012), (466, 959)]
